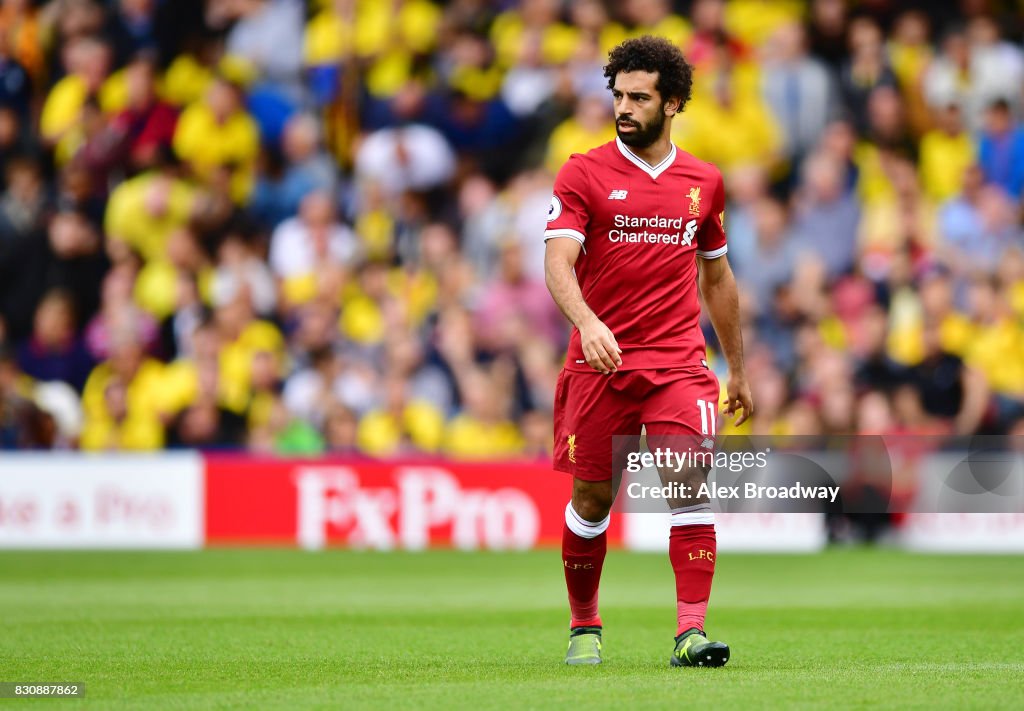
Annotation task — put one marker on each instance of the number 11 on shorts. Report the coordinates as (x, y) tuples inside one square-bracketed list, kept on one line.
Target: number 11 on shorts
[(708, 414)]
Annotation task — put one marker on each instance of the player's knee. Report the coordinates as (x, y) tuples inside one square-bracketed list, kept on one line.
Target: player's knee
[(592, 500), (689, 477)]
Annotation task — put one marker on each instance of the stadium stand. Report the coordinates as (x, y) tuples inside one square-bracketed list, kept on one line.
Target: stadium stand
[(315, 227)]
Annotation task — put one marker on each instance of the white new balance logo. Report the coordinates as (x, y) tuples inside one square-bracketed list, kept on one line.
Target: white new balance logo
[(618, 195)]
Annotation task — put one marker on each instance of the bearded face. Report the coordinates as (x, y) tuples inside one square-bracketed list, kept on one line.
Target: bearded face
[(640, 114)]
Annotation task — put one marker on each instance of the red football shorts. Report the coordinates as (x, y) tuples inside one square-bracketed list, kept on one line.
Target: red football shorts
[(591, 409)]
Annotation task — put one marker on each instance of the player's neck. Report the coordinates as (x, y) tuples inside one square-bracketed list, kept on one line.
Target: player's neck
[(654, 153)]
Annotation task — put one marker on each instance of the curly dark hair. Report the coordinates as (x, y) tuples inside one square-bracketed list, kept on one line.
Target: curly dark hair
[(653, 54)]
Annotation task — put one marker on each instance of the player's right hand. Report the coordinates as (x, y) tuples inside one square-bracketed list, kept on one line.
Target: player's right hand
[(600, 347)]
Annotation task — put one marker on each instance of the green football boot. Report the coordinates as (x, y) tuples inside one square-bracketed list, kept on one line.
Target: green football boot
[(584, 646), (693, 649)]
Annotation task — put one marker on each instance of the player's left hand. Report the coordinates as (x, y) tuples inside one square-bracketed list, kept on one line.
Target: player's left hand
[(738, 398)]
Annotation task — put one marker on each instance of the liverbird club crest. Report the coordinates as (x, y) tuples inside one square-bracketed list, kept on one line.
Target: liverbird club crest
[(695, 201)]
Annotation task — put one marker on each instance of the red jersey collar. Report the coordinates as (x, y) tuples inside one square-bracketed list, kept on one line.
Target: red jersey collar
[(652, 170)]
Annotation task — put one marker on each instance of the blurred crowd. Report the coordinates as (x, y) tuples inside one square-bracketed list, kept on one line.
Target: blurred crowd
[(305, 227)]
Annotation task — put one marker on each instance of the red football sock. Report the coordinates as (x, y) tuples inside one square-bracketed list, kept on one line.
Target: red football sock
[(582, 559), (691, 549)]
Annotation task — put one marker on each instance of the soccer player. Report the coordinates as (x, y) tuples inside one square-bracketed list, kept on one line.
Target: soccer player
[(635, 228)]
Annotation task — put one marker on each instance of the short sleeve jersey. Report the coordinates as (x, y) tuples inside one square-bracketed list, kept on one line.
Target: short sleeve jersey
[(642, 228)]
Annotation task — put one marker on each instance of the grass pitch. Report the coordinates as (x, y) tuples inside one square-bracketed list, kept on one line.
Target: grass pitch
[(276, 629)]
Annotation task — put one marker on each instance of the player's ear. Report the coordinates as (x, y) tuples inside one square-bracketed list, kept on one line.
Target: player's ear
[(671, 107)]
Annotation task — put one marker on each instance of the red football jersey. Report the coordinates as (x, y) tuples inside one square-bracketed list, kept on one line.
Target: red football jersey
[(642, 228)]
